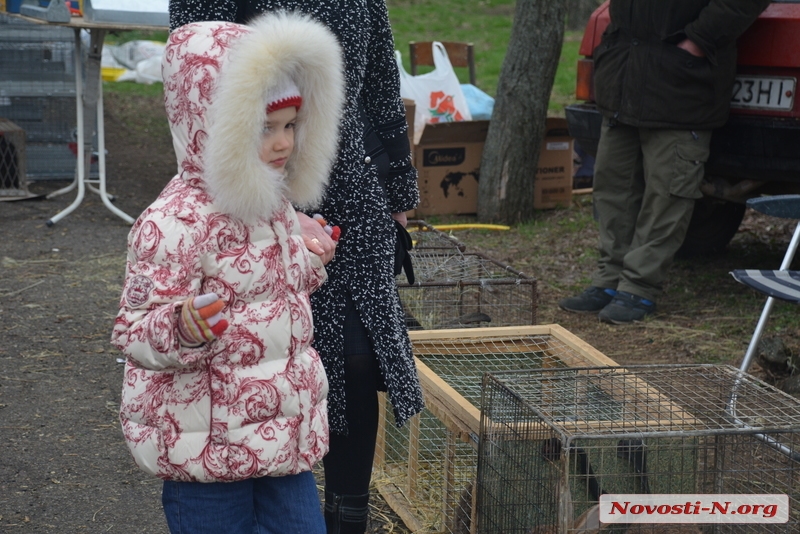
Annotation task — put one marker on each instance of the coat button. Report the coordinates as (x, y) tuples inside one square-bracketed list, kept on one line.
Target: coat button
[(635, 42), (368, 160), (690, 64)]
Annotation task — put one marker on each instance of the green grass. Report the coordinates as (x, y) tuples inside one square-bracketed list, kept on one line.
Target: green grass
[(486, 23), (133, 88), (117, 38), (564, 85)]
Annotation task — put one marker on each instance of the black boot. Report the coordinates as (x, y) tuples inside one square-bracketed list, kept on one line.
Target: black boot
[(346, 514)]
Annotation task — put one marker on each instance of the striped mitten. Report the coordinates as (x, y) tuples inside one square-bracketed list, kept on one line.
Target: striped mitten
[(201, 320)]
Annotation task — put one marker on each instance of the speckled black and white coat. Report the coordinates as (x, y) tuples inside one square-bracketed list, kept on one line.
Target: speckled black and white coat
[(355, 199)]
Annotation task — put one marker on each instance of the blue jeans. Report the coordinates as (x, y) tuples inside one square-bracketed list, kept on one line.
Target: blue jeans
[(266, 505)]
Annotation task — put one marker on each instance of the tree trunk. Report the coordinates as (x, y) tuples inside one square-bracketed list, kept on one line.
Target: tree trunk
[(511, 152), (578, 13)]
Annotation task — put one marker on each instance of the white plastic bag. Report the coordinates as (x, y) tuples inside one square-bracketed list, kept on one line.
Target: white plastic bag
[(141, 60), (148, 71), (437, 94), (131, 53)]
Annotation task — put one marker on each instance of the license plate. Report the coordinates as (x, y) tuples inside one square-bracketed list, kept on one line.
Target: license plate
[(761, 92)]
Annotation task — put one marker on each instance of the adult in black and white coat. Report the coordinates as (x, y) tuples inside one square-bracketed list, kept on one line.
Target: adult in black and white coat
[(359, 324)]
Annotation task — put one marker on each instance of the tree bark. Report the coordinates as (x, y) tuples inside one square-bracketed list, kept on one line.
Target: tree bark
[(511, 152), (579, 11)]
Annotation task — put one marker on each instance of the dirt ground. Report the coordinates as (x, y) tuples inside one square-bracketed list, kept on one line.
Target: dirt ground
[(63, 463)]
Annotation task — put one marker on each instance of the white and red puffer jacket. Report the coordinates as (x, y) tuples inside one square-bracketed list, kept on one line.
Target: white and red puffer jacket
[(252, 402)]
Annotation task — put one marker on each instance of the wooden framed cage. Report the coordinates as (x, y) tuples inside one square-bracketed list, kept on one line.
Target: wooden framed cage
[(427, 470), (552, 440), (13, 158)]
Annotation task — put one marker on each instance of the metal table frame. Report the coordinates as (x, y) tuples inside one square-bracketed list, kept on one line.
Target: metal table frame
[(89, 103)]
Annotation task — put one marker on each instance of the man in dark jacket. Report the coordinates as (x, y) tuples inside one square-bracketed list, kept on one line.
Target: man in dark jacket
[(664, 76)]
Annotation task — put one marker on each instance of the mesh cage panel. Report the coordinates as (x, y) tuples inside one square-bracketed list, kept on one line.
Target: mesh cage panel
[(454, 289), (426, 238), (37, 92), (553, 439), (13, 177)]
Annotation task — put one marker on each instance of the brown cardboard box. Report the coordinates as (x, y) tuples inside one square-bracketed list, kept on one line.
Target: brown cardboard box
[(553, 186), (411, 108), (448, 160)]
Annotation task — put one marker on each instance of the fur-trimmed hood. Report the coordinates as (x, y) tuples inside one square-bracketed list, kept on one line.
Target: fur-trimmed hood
[(217, 77)]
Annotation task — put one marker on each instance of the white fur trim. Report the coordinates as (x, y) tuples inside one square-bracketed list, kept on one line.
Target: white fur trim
[(280, 45)]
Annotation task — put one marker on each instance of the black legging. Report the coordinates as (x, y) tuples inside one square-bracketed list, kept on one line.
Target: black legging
[(348, 465)]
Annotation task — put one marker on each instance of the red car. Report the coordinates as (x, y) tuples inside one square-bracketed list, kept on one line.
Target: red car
[(757, 151)]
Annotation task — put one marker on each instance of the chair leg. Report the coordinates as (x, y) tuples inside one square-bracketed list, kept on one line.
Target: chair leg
[(752, 348)]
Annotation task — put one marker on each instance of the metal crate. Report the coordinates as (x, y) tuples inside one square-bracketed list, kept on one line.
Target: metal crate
[(50, 61), (35, 59), (46, 120), (426, 470), (552, 440), (13, 176), (426, 239), (37, 92), (454, 289)]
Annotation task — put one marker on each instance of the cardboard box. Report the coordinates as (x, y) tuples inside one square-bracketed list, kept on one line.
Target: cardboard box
[(448, 160), (411, 108), (553, 186)]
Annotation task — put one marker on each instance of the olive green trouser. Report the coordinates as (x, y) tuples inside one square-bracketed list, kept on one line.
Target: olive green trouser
[(646, 181)]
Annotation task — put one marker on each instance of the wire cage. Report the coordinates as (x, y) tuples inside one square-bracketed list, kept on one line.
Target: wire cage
[(37, 93), (426, 471), (427, 239), (13, 181), (552, 440), (455, 289)]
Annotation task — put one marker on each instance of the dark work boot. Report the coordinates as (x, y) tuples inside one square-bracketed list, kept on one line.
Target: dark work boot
[(592, 300), (626, 308), (346, 514)]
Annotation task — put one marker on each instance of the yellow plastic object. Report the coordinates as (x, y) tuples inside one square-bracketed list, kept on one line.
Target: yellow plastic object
[(110, 74), (446, 227)]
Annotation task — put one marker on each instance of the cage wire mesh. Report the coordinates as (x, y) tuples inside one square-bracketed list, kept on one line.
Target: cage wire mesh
[(37, 93), (13, 182), (426, 471), (426, 238), (455, 289), (553, 439)]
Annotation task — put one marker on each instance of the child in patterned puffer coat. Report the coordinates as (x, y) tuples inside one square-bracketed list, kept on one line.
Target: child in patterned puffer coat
[(224, 397)]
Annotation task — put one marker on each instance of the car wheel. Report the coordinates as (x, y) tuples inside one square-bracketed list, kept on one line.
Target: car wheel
[(713, 225)]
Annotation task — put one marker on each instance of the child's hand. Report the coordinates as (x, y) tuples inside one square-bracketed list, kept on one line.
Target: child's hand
[(201, 320)]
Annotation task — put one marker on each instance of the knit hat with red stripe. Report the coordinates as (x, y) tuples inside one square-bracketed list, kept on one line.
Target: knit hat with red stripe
[(284, 95)]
